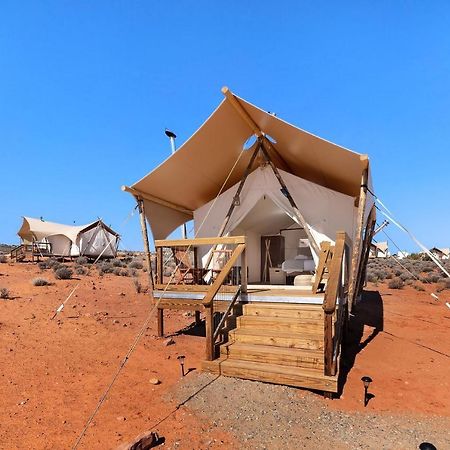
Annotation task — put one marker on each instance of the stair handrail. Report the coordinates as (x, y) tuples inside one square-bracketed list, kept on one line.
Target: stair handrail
[(208, 300), (226, 313)]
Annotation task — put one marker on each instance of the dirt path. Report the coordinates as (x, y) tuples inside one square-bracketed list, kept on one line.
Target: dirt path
[(54, 372)]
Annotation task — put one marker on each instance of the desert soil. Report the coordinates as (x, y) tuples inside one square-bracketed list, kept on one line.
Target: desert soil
[(55, 371)]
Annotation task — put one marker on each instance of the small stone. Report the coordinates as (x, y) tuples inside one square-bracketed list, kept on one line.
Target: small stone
[(154, 381), (115, 321), (121, 418), (169, 341)]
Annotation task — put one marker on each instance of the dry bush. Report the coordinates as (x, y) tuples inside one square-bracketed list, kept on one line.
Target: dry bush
[(419, 287), (4, 293), (63, 273), (82, 260), (40, 282), (396, 283), (80, 270), (3, 259), (118, 263), (136, 264), (137, 285)]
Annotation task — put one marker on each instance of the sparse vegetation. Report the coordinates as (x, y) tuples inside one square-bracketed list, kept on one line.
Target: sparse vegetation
[(40, 282), (3, 259), (63, 273), (4, 293), (396, 283), (136, 264), (82, 260), (137, 285), (80, 270)]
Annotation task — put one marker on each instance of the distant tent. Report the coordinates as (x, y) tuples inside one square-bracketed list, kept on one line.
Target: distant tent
[(90, 240)]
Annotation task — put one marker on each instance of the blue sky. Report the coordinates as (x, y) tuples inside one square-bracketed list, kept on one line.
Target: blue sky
[(87, 88)]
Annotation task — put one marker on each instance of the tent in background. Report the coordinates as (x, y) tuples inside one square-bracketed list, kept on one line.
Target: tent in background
[(91, 240)]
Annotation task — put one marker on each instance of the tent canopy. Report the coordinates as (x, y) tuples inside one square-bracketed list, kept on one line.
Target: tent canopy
[(213, 159), (71, 240)]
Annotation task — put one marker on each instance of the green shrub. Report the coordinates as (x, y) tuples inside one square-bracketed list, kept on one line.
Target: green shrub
[(63, 273)]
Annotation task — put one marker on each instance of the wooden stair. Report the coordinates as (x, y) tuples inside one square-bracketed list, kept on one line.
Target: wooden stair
[(278, 343)]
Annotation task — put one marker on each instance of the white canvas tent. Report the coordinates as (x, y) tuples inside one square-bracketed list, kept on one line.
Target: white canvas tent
[(329, 184), (91, 240)]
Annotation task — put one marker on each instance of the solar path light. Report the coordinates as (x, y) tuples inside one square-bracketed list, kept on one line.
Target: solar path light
[(181, 359), (366, 381)]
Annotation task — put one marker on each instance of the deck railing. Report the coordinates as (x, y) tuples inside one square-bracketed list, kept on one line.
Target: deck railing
[(34, 249), (217, 271), (335, 301)]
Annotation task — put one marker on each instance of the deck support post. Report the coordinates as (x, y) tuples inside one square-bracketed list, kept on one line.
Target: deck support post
[(197, 318), (356, 255), (160, 322), (144, 231), (209, 325)]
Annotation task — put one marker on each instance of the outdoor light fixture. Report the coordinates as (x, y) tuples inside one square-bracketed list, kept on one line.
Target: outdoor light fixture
[(236, 201), (366, 381), (181, 361)]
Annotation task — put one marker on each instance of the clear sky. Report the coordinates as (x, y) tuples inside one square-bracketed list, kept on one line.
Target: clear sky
[(87, 88)]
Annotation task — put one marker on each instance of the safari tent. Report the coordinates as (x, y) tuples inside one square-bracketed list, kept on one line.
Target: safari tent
[(282, 224), (91, 240)]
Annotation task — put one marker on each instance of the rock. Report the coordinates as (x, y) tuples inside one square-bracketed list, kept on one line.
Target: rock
[(144, 441), (154, 381), (121, 418), (169, 341), (115, 321)]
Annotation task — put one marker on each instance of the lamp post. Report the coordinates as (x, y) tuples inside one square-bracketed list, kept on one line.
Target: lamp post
[(181, 359), (366, 381), (172, 136)]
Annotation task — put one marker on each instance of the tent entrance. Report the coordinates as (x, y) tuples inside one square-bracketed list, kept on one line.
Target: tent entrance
[(277, 247)]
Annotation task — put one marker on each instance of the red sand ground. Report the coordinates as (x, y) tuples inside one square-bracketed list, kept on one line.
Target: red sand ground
[(54, 372)]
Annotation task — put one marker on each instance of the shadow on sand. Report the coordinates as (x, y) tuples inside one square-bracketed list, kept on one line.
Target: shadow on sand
[(367, 312)]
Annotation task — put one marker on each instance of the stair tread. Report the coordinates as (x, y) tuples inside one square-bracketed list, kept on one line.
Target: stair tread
[(293, 306), (274, 349), (276, 368), (280, 320), (276, 333)]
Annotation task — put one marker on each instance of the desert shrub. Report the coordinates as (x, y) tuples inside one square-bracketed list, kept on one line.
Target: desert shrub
[(389, 275), (80, 270), (396, 283), (51, 262), (105, 267), (135, 264), (4, 293), (427, 268), (433, 278), (380, 274), (40, 282), (419, 287), (82, 260), (137, 285), (371, 277), (3, 259), (42, 265), (404, 276), (57, 265), (133, 272), (117, 263), (63, 273)]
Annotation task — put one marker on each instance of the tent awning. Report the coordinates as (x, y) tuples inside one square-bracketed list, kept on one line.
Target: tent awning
[(212, 159)]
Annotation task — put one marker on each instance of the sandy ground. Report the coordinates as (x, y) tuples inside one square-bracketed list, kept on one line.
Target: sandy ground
[(55, 371)]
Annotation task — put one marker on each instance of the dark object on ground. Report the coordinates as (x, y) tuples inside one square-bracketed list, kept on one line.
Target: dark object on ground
[(144, 441)]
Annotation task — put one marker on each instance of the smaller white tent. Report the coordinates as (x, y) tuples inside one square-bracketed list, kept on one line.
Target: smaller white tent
[(92, 240)]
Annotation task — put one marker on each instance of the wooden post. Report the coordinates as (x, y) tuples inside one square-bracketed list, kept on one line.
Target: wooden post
[(159, 265), (209, 325), (145, 239), (160, 322), (357, 244), (297, 212), (244, 275), (197, 318)]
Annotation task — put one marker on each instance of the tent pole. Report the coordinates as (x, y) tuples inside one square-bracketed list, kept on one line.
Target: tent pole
[(234, 202), (286, 192), (144, 231), (356, 256)]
